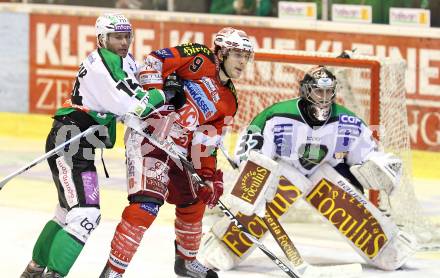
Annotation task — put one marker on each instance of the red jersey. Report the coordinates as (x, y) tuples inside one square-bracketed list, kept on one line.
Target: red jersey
[(210, 105)]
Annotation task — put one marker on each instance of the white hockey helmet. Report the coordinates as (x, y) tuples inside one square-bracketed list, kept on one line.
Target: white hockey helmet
[(111, 23), (229, 38)]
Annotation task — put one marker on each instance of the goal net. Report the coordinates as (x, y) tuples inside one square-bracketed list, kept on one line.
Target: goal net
[(372, 87)]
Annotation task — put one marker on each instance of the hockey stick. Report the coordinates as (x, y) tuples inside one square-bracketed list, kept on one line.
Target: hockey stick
[(88, 131), (168, 147), (289, 248)]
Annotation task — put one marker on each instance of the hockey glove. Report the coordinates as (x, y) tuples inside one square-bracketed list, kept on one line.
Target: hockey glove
[(210, 194), (147, 102), (173, 88)]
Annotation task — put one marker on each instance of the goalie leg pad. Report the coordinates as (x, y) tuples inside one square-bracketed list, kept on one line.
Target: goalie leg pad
[(226, 246), (367, 230), (399, 249), (256, 184), (215, 254), (295, 177)]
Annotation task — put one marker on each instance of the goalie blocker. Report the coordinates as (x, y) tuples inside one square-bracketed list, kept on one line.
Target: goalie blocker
[(374, 236)]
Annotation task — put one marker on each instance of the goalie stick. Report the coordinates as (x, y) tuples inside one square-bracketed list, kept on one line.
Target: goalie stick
[(23, 169), (290, 250), (168, 147)]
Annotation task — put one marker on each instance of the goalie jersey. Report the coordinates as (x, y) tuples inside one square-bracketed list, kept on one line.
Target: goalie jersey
[(281, 131)]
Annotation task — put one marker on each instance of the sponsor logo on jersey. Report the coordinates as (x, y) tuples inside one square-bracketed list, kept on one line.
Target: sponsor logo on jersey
[(200, 99), (212, 88), (189, 116), (282, 138), (164, 53), (192, 49), (65, 176), (349, 120)]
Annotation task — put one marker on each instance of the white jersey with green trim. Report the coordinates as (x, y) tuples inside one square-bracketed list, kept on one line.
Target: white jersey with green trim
[(281, 131), (106, 83)]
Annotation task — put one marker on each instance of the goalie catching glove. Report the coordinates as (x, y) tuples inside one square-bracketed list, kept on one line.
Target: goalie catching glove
[(213, 189)]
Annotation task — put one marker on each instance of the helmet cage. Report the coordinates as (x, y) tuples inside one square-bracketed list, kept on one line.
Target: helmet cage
[(319, 87)]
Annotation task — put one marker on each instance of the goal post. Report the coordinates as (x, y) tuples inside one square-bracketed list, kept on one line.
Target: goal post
[(372, 87)]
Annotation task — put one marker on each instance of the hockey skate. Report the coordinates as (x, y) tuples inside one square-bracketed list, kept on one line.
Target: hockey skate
[(52, 274), (107, 272), (33, 270), (187, 268)]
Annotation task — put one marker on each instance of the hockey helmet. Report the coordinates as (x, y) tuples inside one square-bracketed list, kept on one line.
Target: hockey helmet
[(111, 23), (229, 38)]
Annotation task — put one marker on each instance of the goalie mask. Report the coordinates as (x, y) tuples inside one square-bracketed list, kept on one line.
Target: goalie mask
[(111, 23), (235, 50), (318, 90)]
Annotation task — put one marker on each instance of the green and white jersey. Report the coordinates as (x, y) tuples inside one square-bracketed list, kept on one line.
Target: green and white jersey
[(106, 86), (106, 83), (280, 131)]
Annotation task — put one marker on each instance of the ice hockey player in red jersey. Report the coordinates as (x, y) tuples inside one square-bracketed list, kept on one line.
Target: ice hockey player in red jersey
[(204, 104)]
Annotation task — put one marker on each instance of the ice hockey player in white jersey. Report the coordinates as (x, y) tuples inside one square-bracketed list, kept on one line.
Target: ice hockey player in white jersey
[(105, 88), (327, 155)]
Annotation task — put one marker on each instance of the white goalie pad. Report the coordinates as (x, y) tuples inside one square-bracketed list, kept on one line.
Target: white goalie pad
[(294, 176), (373, 235), (214, 253), (217, 245), (256, 184), (381, 171)]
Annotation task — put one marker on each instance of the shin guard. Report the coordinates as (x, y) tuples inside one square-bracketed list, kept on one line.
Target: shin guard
[(188, 228), (40, 254), (136, 219), (64, 251)]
